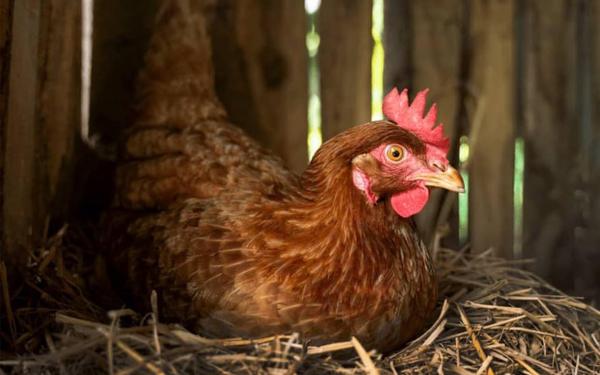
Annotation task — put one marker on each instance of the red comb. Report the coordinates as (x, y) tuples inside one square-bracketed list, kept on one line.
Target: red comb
[(410, 117)]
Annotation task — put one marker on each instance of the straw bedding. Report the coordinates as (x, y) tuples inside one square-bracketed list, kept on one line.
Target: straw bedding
[(493, 318)]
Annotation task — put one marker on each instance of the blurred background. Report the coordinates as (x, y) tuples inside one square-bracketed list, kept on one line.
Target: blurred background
[(517, 83)]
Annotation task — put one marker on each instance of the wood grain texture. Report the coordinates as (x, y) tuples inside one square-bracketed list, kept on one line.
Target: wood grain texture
[(261, 72), (397, 44), (550, 132), (345, 63), (43, 120), (21, 220), (436, 57), (6, 7), (592, 258), (492, 141), (59, 105), (436, 33), (586, 258)]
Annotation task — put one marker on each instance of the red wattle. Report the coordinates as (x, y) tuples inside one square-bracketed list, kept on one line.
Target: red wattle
[(410, 202)]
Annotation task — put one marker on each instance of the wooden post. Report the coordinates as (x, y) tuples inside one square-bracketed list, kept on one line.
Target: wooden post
[(437, 28), (6, 7), (42, 119), (592, 257), (551, 137), (585, 228), (59, 110), (398, 44), (429, 35), (260, 62), (21, 219), (492, 134), (345, 63)]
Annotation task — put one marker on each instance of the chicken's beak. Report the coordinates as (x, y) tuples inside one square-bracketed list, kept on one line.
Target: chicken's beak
[(449, 179)]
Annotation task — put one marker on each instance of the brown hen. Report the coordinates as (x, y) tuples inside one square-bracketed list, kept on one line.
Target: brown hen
[(236, 245)]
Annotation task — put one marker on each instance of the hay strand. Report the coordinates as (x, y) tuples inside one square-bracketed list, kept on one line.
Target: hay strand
[(10, 317), (476, 344), (367, 362)]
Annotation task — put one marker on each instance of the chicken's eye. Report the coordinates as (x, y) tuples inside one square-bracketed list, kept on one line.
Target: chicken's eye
[(394, 153)]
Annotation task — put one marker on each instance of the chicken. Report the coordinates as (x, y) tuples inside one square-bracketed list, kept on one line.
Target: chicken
[(236, 245)]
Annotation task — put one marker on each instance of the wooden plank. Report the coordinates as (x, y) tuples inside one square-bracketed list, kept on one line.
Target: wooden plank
[(492, 139), (43, 120), (436, 29), (549, 86), (587, 253), (59, 106), (592, 258), (397, 44), (345, 52), (21, 219), (261, 72), (6, 7)]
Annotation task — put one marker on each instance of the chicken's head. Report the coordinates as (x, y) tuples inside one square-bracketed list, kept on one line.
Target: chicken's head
[(403, 172)]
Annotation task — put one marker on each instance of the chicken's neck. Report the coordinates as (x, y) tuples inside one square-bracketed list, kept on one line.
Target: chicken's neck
[(337, 210), (341, 249)]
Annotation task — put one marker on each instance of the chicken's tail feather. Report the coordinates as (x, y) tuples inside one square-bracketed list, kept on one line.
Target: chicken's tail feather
[(176, 86), (176, 104), (181, 145)]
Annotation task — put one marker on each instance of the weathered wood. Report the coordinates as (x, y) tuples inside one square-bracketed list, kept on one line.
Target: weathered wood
[(437, 28), (261, 72), (59, 105), (397, 44), (21, 219), (592, 258), (43, 120), (6, 7), (586, 252), (436, 57), (345, 64), (551, 137), (492, 139)]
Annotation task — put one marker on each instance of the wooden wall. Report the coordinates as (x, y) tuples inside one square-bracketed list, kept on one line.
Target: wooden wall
[(499, 70), (503, 70)]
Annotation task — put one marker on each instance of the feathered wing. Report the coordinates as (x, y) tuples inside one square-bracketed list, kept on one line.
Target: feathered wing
[(181, 144)]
